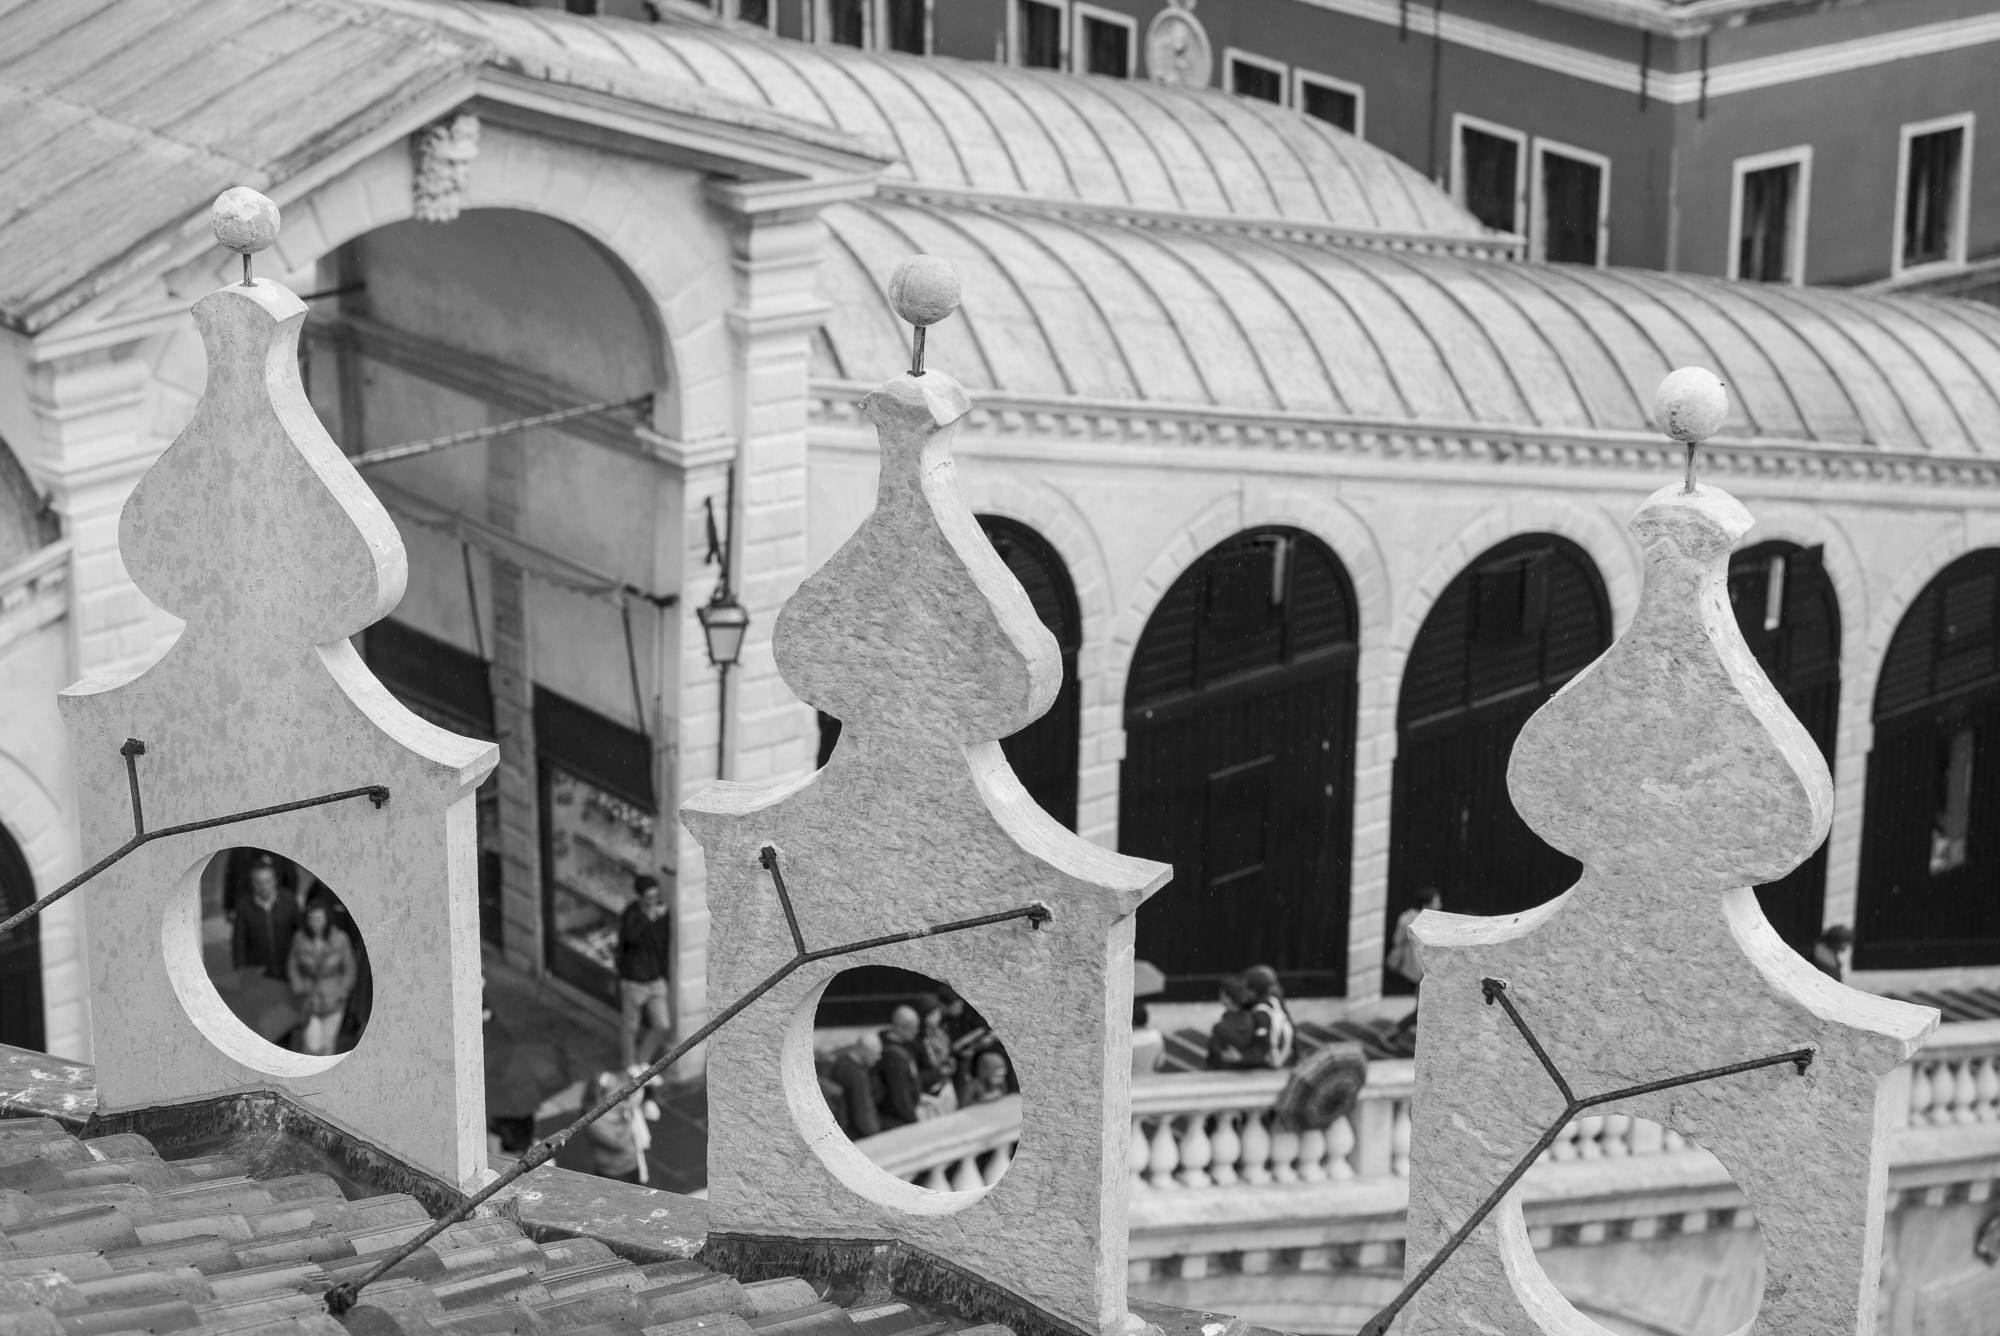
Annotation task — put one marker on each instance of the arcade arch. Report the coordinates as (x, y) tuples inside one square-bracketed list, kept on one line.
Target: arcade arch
[(1507, 631), (1931, 834), (1789, 615), (1239, 764)]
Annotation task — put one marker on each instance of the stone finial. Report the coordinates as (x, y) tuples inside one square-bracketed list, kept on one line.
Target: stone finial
[(923, 290), (1673, 771), (244, 221), (915, 635), (255, 530), (1690, 406)]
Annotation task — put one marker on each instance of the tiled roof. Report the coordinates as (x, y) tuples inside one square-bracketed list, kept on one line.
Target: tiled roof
[(992, 128), (103, 1236), (1097, 309)]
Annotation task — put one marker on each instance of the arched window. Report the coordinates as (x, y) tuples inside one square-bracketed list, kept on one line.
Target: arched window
[(1931, 841), (1239, 765), (1509, 630), (20, 953), (1786, 609)]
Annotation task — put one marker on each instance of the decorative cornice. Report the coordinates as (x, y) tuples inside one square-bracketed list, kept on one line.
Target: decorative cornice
[(33, 592), (1117, 426), (1492, 246)]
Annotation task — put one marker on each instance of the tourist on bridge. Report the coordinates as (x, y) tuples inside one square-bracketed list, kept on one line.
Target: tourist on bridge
[(322, 972)]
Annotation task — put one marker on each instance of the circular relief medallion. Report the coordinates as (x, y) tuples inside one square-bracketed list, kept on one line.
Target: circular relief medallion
[(1177, 49)]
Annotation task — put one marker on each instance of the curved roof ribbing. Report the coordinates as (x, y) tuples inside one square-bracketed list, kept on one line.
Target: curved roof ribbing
[(1060, 308), (994, 128)]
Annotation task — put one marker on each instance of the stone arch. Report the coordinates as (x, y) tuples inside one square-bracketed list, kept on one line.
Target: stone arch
[(1888, 612), (1806, 526), (1606, 543), (42, 828)]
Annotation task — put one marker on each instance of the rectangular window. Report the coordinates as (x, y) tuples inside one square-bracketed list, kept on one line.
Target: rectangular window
[(1041, 28), (1931, 192), (847, 22), (580, 6), (1331, 100), (1487, 176), (754, 11), (1767, 211), (1104, 42), (1254, 76), (906, 24), (1572, 192)]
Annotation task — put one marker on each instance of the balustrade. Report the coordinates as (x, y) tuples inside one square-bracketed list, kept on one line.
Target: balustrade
[(1214, 1129)]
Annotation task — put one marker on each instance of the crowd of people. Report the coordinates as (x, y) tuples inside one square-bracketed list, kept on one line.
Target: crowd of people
[(288, 928), (937, 1055)]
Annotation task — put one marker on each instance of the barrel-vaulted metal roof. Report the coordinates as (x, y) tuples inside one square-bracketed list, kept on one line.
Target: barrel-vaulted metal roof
[(1062, 308), (986, 127)]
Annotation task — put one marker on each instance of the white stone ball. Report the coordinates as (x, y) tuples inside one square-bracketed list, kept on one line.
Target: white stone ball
[(924, 290), (244, 220), (1691, 404)]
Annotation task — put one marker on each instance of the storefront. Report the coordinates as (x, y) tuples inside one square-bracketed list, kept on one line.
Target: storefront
[(597, 820)]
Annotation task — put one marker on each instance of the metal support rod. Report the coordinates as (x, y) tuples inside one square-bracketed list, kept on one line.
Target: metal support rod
[(917, 352), (1495, 990), (1689, 489), (375, 793), (342, 1298), (369, 458)]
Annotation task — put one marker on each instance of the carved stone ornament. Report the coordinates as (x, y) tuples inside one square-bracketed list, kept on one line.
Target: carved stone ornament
[(1673, 771), (915, 635), (255, 530), (1177, 47), (444, 155)]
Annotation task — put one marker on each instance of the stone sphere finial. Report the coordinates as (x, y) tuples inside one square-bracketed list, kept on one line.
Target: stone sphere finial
[(244, 221), (924, 290), (1690, 407)]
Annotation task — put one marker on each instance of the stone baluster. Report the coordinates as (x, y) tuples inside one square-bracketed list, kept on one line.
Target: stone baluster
[(1256, 1138), (1965, 1094), (1196, 1152), (1617, 1131), (1340, 1146), (1648, 1137), (1674, 1141), (934, 1178), (1920, 1092), (1284, 1155), (1312, 1155), (1003, 1155), (1226, 1148), (1165, 1155), (1589, 1128), (1989, 1090), (1399, 1141), (1563, 1149), (965, 1175), (1142, 1153)]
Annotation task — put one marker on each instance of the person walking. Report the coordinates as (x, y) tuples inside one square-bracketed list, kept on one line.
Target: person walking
[(644, 959), (321, 971), (619, 1139), (1273, 1036), (902, 1068), (261, 936)]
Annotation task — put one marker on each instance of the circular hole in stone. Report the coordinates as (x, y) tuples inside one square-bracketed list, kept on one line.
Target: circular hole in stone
[(283, 953), (1697, 1269), (916, 1079)]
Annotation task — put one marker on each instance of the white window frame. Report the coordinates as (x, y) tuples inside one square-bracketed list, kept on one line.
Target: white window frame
[(1063, 24), (1524, 162), (1955, 256), (822, 23), (878, 26), (1800, 154), (1231, 54), (1078, 13), (1300, 78), (1537, 230)]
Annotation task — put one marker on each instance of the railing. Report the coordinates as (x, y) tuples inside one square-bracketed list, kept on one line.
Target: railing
[(1214, 1129)]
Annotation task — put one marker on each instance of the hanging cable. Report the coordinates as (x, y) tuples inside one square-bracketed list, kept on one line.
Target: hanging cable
[(368, 458), (472, 601)]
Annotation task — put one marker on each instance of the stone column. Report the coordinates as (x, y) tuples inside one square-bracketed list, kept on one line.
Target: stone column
[(511, 676)]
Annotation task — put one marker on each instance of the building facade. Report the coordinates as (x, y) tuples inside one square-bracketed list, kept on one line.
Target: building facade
[(1320, 481)]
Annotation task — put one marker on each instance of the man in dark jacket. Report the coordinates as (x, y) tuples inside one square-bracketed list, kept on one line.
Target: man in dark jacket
[(265, 924), (903, 1067), (645, 952)]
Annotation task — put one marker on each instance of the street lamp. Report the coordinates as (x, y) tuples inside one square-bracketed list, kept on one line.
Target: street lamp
[(723, 623)]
